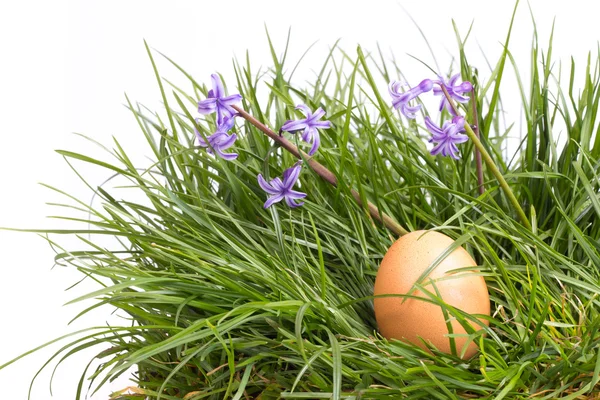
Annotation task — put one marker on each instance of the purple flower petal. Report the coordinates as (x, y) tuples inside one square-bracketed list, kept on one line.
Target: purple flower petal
[(322, 124), (436, 150), (444, 103), (218, 90), (309, 126), (225, 141), (316, 142), (295, 194), (231, 100), (308, 134), (226, 156), (201, 141), (293, 126), (304, 108), (459, 120), (207, 106), (224, 112), (226, 125), (394, 88), (453, 80), (273, 200), (453, 148), (460, 99), (433, 128), (410, 112), (318, 114), (277, 183), (460, 138), (266, 186), (291, 202), (398, 103), (290, 176)]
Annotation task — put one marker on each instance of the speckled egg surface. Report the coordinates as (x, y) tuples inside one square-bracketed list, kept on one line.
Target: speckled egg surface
[(411, 319)]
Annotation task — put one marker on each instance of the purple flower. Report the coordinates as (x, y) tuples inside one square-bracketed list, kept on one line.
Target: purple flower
[(447, 137), (217, 101), (309, 126), (282, 189), (400, 99), (455, 91), (220, 140)]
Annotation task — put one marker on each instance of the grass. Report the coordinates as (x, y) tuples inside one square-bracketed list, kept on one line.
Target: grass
[(224, 299)]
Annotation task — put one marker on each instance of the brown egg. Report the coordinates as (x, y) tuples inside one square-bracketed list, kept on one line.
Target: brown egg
[(411, 319)]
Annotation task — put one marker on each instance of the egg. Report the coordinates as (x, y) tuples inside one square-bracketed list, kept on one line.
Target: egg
[(413, 320)]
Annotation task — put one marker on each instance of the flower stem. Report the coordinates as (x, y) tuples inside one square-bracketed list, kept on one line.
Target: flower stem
[(323, 172), (477, 152), (491, 165)]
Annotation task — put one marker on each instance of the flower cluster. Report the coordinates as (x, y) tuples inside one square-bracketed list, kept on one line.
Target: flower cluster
[(445, 138), (281, 189), (449, 135), (278, 188), (222, 104)]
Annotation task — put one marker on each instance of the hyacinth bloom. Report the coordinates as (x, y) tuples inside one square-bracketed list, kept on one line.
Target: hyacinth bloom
[(279, 189), (217, 101), (308, 126), (455, 91), (220, 140), (447, 137), (400, 99)]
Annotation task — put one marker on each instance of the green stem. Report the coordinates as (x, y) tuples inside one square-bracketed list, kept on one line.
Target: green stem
[(491, 165), (477, 152), (503, 184)]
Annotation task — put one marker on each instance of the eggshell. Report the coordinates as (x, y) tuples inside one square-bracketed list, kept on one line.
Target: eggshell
[(411, 319)]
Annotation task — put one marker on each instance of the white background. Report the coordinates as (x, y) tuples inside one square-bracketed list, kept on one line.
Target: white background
[(65, 66)]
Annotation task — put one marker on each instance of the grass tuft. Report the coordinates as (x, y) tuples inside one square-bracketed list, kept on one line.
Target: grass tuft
[(224, 299)]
